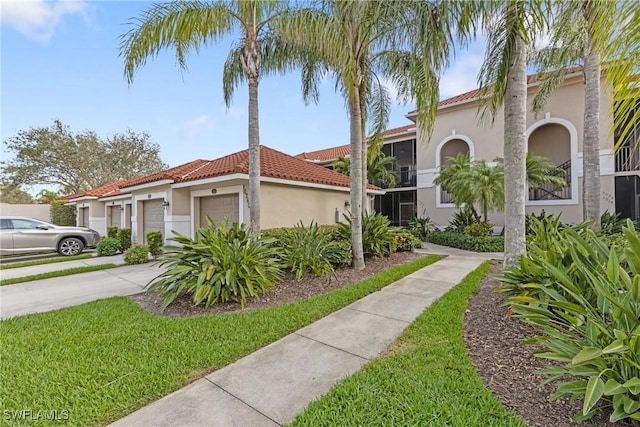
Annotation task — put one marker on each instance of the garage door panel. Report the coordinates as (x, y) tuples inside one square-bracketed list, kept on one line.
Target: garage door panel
[(114, 216), (218, 208), (153, 216)]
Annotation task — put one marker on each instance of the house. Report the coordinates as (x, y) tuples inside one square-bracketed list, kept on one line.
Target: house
[(555, 133), (180, 198)]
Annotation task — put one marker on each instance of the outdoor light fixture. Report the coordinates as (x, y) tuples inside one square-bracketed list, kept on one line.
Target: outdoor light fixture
[(347, 204), (165, 204), (121, 208)]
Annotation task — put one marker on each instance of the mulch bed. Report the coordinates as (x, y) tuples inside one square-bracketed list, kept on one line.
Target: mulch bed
[(509, 369)]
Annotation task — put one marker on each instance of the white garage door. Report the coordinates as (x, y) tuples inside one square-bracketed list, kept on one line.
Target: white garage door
[(84, 217), (218, 208), (153, 217), (113, 216)]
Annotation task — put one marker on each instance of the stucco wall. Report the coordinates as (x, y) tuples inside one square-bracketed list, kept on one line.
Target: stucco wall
[(41, 212), (285, 206)]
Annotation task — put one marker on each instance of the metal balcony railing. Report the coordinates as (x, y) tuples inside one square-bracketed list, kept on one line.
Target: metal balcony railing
[(628, 159), (552, 191)]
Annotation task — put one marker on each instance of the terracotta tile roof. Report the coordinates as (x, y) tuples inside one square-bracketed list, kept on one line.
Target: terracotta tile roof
[(107, 190), (326, 154), (273, 164), (401, 129), (174, 174)]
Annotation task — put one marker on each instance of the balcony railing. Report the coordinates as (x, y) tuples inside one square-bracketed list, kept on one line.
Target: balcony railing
[(405, 176), (552, 191), (445, 196), (628, 159)]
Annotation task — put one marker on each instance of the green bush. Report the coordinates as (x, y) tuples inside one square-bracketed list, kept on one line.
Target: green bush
[(464, 217), (108, 247), (378, 237), (154, 241), (112, 232), (61, 214), (221, 263), (406, 241), (469, 243), (611, 223), (586, 304), (312, 250), (478, 229), (422, 226), (124, 235), (138, 254)]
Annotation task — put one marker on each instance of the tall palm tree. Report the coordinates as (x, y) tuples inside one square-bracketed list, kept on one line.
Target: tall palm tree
[(574, 42), (511, 28), (359, 42), (187, 26)]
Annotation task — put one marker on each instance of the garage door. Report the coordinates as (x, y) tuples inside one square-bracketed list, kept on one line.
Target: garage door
[(114, 216), (218, 208), (153, 217), (84, 217)]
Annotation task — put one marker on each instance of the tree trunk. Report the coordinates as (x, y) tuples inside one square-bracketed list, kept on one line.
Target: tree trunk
[(591, 135), (365, 179), (356, 178), (515, 148)]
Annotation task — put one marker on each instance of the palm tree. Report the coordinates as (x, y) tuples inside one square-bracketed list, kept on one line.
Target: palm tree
[(359, 42), (187, 26), (379, 167), (510, 27), (574, 43)]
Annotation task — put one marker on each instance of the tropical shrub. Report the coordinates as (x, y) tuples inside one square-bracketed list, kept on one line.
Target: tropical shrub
[(611, 223), (469, 243), (478, 229), (154, 241), (464, 217), (108, 247), (378, 238), (422, 226), (124, 235), (405, 241), (138, 254), (62, 214), (112, 232), (222, 263), (590, 322)]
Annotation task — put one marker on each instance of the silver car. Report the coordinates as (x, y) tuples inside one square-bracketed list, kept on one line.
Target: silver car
[(20, 234)]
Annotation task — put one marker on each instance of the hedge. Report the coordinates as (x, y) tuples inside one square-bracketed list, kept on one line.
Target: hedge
[(469, 243)]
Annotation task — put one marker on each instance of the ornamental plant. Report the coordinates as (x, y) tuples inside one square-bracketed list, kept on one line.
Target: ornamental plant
[(154, 240), (138, 254), (124, 235), (108, 247), (422, 226), (112, 232), (221, 263), (378, 237)]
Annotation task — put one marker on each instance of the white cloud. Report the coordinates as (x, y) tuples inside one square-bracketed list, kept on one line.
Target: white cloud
[(39, 19), (198, 124), (462, 76)]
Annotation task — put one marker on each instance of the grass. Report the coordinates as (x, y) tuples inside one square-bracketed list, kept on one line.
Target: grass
[(102, 360), (7, 266), (59, 273), (425, 379)]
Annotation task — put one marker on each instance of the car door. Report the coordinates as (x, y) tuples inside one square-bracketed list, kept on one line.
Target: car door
[(6, 237), (30, 235)]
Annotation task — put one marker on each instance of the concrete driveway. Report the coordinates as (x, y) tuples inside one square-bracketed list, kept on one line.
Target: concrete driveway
[(51, 294)]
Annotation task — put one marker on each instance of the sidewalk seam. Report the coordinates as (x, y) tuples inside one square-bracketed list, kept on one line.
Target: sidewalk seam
[(243, 402), (330, 346)]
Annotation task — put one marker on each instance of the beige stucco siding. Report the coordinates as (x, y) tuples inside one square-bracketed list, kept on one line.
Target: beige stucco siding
[(286, 205)]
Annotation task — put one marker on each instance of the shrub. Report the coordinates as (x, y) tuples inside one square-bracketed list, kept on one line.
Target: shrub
[(311, 250), (469, 243), (478, 229), (108, 247), (406, 241), (611, 223), (590, 321), (422, 226), (222, 263), (112, 232), (465, 216), (138, 254), (378, 237), (124, 235), (61, 214), (154, 241)]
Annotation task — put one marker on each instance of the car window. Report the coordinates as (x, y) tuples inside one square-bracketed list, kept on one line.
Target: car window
[(5, 224), (25, 224)]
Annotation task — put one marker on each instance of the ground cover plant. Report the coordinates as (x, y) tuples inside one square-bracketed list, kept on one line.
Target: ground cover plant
[(126, 357), (9, 265), (59, 273), (425, 378)]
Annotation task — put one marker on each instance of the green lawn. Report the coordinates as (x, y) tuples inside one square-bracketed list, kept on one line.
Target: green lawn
[(426, 378), (58, 273), (8, 265), (102, 360)]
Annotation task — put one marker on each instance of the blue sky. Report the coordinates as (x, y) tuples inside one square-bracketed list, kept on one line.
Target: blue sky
[(60, 60)]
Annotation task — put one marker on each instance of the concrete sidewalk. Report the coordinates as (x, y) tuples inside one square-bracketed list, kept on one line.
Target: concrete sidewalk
[(60, 292), (271, 386)]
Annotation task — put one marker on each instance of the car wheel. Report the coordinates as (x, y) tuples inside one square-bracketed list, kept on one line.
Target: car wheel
[(70, 246)]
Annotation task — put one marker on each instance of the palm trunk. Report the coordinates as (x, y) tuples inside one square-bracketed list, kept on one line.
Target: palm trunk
[(591, 136), (365, 178), (254, 159), (515, 147), (356, 179)]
